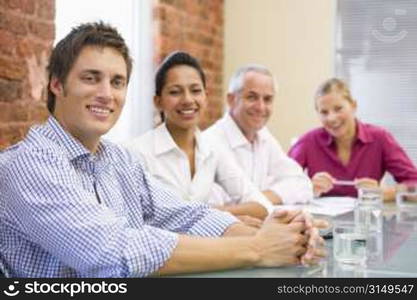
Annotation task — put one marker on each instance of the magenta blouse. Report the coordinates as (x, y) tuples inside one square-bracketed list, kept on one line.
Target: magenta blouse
[(375, 151)]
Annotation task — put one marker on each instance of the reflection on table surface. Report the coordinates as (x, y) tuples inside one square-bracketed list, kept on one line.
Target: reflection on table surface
[(398, 257)]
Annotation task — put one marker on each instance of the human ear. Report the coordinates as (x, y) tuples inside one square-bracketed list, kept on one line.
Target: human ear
[(56, 87), (157, 102), (231, 99), (354, 105)]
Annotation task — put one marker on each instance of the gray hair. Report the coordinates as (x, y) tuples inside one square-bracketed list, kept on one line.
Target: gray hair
[(236, 81)]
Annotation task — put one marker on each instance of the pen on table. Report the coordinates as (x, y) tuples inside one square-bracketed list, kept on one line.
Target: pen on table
[(327, 235), (344, 182)]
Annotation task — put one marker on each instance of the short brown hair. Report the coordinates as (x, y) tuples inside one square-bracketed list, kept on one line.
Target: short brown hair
[(67, 50)]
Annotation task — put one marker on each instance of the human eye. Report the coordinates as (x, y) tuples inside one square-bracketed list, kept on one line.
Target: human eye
[(119, 82), (174, 92), (196, 91), (252, 97), (89, 78), (323, 112), (268, 99)]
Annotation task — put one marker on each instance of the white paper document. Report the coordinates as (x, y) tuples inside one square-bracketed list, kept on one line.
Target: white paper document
[(327, 206)]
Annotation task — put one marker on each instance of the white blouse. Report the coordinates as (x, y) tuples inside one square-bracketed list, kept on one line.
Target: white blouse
[(169, 164), (264, 162)]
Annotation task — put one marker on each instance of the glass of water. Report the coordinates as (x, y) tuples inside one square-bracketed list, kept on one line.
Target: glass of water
[(351, 271), (406, 199), (374, 248), (368, 210), (349, 244)]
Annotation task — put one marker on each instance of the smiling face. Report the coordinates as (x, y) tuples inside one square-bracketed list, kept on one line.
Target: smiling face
[(337, 115), (182, 98), (90, 101), (253, 105)]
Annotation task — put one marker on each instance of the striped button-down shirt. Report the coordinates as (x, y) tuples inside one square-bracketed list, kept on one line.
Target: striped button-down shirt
[(65, 212)]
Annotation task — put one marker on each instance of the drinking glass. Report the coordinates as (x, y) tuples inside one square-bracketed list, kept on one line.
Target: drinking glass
[(349, 244), (406, 199), (368, 210)]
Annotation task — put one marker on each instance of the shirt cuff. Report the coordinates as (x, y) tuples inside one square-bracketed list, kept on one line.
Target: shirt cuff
[(213, 224), (150, 249)]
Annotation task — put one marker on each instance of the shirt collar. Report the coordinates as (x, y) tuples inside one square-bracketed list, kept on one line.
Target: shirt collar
[(235, 135), (164, 142), (362, 135), (72, 146), (203, 148), (325, 138)]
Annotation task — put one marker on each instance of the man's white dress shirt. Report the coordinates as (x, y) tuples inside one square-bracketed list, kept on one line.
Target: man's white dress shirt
[(169, 164), (263, 161)]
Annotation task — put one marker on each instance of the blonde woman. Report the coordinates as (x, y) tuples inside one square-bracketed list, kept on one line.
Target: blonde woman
[(346, 149)]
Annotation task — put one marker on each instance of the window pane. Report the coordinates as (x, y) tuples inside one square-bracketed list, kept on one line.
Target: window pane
[(376, 53)]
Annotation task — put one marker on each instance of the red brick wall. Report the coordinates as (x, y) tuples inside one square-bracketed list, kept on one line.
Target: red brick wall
[(26, 35), (195, 26)]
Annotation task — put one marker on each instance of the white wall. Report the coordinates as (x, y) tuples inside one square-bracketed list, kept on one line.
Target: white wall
[(133, 19)]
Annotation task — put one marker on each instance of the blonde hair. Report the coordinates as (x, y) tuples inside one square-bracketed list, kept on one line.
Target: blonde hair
[(334, 85)]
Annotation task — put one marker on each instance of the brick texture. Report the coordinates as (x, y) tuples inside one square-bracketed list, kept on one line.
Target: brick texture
[(26, 35), (27, 32), (195, 26)]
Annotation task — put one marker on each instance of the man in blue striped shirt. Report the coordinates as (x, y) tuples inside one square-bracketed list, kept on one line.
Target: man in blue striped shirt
[(74, 205)]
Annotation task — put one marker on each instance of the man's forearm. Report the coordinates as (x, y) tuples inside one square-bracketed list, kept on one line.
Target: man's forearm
[(274, 198), (389, 193), (194, 254), (274, 244), (239, 229)]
